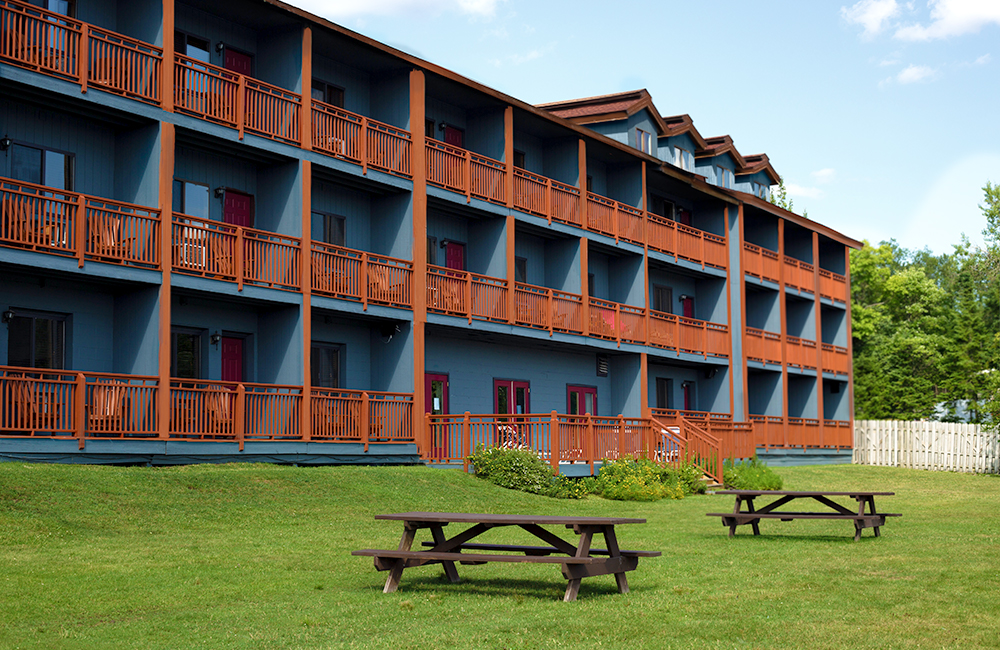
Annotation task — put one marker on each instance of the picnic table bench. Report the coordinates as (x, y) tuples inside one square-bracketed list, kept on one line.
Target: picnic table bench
[(577, 561), (833, 510)]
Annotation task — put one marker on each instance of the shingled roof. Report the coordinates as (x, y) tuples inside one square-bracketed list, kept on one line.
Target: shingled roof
[(605, 108)]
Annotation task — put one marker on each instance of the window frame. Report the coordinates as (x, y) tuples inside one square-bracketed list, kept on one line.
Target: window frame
[(35, 315), (644, 141), (338, 349), (69, 170), (198, 335), (182, 200), (521, 268), (680, 157), (330, 91), (187, 36), (328, 218)]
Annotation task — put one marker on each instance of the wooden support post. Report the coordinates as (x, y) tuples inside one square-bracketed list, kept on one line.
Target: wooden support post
[(364, 282), (554, 435), (80, 233), (508, 153), (83, 57), (167, 141), (511, 234), (305, 88), (167, 71), (241, 103), (240, 415), (239, 266), (79, 408), (590, 443), (363, 144), (365, 420), (465, 442)]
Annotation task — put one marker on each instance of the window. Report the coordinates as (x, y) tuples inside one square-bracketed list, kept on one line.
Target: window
[(664, 388), (644, 141), (724, 177), (328, 93), (429, 129), (520, 269), (325, 365), (590, 183), (64, 7), (663, 299), (185, 353), (432, 250), (37, 340), (42, 166), (760, 190), (681, 158), (662, 207), (334, 231), (590, 284), (192, 47), (190, 198), (518, 159)]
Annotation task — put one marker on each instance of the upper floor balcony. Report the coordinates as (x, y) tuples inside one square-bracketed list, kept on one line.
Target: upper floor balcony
[(766, 348), (765, 264)]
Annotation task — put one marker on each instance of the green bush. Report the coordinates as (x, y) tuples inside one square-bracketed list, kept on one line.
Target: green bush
[(564, 487), (689, 476), (515, 469), (637, 480), (750, 474)]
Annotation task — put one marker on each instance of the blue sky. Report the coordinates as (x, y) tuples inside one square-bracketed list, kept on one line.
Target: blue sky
[(882, 116)]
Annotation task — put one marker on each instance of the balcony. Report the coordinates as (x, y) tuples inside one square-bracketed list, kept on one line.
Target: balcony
[(361, 276), (56, 45), (734, 439), (360, 140), (772, 431), (761, 263), (832, 286), (680, 334), (546, 198), (799, 275), (801, 352), (221, 251), (62, 404), (763, 346), (47, 220), (462, 171), (466, 295), (836, 359)]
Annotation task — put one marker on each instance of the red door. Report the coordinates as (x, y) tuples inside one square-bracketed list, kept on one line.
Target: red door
[(232, 359), (454, 137), (687, 305), (238, 209), (238, 62), (581, 400), (511, 397), (684, 217), (454, 256), (688, 388), (436, 403)]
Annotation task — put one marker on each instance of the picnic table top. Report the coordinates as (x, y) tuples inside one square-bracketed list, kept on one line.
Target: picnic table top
[(807, 493), (485, 518)]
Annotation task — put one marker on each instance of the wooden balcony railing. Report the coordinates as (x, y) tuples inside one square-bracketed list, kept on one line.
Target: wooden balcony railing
[(361, 140), (54, 44), (804, 432), (64, 404), (218, 95), (48, 220), (763, 346), (470, 295), (832, 286), (836, 359), (680, 334), (769, 431), (223, 251), (736, 439), (617, 322), (361, 276), (761, 263), (544, 197), (340, 415), (548, 309), (799, 275), (773, 431), (801, 352), (465, 172)]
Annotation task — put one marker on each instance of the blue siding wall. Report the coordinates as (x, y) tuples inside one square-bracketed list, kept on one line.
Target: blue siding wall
[(835, 405), (390, 101), (392, 226), (534, 152), (617, 130), (137, 176), (215, 28), (736, 327), (762, 232), (625, 184), (562, 264), (710, 393), (834, 326), (798, 243), (392, 361), (709, 216), (472, 367), (488, 247), (710, 301), (666, 146), (626, 395), (235, 318), (353, 205), (485, 134), (103, 13), (141, 19), (763, 312), (279, 58), (356, 83), (533, 250), (279, 204), (562, 162), (764, 393), (745, 182), (441, 111), (199, 166), (445, 226), (91, 143), (356, 354), (801, 396), (281, 345), (625, 280), (800, 316), (598, 172), (598, 265), (831, 256), (137, 327)]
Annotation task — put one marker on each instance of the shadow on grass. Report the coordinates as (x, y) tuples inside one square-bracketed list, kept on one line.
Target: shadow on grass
[(505, 587)]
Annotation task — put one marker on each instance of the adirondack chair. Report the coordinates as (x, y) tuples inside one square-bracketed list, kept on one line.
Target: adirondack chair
[(329, 422), (107, 408), (106, 238), (221, 407), (25, 415)]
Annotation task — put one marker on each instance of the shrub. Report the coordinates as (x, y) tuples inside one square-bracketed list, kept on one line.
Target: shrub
[(515, 469), (750, 474), (689, 476), (637, 480), (564, 487)]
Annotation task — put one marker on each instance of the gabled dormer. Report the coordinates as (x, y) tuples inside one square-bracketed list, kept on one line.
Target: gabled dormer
[(629, 117), (757, 176), (680, 142), (718, 161)]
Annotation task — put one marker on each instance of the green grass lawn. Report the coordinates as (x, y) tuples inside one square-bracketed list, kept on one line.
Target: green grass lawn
[(258, 556)]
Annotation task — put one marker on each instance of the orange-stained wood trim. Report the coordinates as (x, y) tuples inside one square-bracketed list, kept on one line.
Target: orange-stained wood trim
[(818, 306), (581, 182), (584, 288), (729, 314), (644, 383), (305, 264), (167, 81), (419, 218), (508, 153), (167, 142), (305, 123), (784, 329), (511, 231), (850, 341), (743, 319)]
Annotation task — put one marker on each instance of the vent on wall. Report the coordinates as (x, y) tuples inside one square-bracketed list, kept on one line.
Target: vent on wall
[(602, 365)]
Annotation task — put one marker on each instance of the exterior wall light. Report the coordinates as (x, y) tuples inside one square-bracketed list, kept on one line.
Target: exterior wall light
[(220, 192), (5, 143), (215, 338), (8, 316)]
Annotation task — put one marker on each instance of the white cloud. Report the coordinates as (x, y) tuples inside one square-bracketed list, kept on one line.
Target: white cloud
[(983, 60), (798, 191), (825, 175), (914, 73), (341, 9), (871, 14), (953, 18)]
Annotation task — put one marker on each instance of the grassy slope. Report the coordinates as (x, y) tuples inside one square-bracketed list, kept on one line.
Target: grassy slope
[(258, 556)]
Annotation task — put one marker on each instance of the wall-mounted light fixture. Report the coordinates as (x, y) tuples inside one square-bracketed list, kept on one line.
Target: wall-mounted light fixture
[(220, 46), (215, 339), (220, 192), (5, 143), (709, 374), (8, 316), (683, 296), (442, 126)]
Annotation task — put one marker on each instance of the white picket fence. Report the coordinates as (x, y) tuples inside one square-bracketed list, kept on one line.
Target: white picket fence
[(943, 446)]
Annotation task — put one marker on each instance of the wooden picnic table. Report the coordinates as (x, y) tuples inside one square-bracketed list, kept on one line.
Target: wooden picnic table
[(578, 560), (833, 510)]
